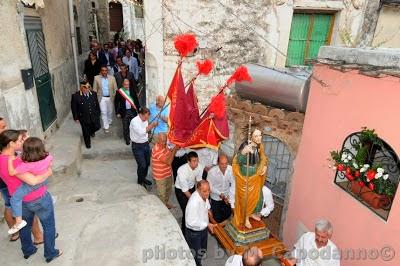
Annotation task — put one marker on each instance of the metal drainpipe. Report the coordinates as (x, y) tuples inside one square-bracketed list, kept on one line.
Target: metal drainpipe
[(73, 40), (96, 25)]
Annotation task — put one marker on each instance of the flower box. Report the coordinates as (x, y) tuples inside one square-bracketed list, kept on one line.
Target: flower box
[(375, 200)]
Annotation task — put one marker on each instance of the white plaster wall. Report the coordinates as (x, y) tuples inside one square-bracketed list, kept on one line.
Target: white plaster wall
[(387, 32), (127, 18), (154, 43)]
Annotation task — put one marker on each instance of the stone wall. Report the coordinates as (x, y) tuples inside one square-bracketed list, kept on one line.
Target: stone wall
[(284, 125), (103, 21)]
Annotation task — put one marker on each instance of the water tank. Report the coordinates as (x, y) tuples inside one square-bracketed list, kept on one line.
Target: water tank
[(285, 88)]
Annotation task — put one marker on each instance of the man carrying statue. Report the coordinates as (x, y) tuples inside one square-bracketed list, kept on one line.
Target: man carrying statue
[(249, 168)]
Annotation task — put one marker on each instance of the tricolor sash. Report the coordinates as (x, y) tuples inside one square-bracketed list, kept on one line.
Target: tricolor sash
[(125, 93)]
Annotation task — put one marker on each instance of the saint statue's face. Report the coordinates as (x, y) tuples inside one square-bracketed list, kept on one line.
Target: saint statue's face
[(256, 137)]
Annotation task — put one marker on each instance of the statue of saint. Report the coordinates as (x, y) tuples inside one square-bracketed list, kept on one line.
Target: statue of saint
[(251, 170)]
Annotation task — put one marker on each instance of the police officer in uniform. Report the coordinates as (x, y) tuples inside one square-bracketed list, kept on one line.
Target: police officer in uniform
[(86, 110)]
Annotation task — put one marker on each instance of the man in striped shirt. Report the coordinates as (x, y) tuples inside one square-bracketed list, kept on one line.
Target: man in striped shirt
[(161, 159)]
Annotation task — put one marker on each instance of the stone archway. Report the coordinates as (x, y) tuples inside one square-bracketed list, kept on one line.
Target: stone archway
[(282, 131)]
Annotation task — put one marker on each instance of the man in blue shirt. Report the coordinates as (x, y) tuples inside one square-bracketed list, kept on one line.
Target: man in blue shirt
[(105, 86), (161, 118)]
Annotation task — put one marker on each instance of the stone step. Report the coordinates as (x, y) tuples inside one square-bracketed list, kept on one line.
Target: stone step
[(65, 146)]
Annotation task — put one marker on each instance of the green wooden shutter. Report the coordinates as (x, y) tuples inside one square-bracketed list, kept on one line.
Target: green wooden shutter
[(298, 39), (319, 35), (308, 33)]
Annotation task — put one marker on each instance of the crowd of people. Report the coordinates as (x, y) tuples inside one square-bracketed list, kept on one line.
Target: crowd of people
[(203, 180)]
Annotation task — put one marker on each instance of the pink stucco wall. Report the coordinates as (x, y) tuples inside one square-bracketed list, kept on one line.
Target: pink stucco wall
[(350, 102)]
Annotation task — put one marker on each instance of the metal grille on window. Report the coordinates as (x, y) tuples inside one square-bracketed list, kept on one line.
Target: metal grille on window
[(279, 172), (378, 154), (280, 166), (38, 54)]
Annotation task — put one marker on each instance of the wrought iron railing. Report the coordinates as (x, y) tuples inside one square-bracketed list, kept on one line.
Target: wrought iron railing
[(378, 153)]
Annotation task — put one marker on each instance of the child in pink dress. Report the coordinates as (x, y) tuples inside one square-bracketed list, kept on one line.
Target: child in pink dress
[(36, 161)]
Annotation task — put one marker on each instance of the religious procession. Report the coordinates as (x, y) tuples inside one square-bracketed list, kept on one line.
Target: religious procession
[(193, 132)]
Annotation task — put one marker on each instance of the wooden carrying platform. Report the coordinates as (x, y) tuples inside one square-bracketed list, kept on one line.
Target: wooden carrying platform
[(269, 247)]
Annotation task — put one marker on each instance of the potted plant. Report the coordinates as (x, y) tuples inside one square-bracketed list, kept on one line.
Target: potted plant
[(367, 180)]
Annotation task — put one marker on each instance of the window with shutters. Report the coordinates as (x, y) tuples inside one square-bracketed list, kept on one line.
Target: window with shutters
[(308, 33)]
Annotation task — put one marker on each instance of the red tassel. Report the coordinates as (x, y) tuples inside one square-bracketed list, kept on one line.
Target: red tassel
[(185, 44), (218, 106), (205, 67), (240, 74)]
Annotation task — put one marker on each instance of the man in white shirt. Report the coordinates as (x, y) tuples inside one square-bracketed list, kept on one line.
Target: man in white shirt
[(180, 159), (185, 184), (208, 158), (316, 248), (221, 179), (197, 220), (138, 130)]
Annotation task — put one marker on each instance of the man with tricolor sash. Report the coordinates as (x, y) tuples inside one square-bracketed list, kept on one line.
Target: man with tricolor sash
[(126, 107)]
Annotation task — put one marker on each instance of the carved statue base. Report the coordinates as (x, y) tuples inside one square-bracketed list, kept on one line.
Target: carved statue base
[(233, 240), (244, 236)]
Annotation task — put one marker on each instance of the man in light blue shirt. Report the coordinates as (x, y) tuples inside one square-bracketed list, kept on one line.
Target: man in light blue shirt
[(162, 119), (132, 63), (104, 86)]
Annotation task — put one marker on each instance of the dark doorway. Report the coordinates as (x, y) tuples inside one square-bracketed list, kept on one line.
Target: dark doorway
[(116, 18)]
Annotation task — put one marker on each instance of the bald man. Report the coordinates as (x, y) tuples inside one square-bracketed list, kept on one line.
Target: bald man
[(161, 118), (197, 221), (251, 257), (221, 183)]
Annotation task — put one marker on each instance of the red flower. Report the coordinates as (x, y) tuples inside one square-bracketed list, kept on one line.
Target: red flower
[(371, 186), (340, 167), (348, 170), (357, 173), (361, 183), (349, 177), (371, 174)]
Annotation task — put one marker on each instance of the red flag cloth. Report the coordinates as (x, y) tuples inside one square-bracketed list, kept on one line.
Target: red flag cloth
[(205, 135), (211, 131), (218, 108), (184, 112), (192, 108)]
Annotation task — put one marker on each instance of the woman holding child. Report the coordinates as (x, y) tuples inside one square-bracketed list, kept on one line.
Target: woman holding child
[(31, 170)]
